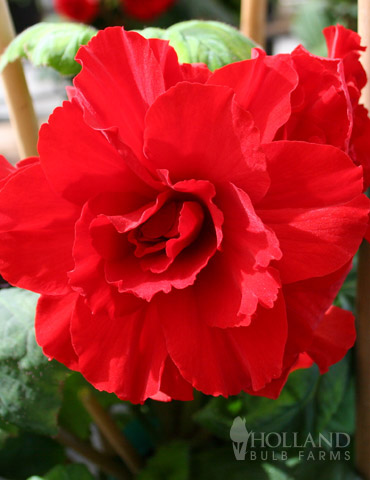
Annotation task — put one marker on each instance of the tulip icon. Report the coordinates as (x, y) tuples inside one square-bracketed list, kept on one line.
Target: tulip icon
[(239, 435)]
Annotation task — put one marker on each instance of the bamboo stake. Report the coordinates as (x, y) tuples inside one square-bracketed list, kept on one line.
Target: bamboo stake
[(18, 99), (363, 295), (253, 20), (111, 432)]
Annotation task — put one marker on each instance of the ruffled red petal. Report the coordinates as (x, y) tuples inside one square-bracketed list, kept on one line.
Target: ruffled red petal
[(113, 55), (334, 336), (220, 143), (227, 360), (263, 86), (319, 223), (124, 354), (53, 323), (37, 232), (88, 168)]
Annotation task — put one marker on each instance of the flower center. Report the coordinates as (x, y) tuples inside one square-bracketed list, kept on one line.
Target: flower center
[(167, 233)]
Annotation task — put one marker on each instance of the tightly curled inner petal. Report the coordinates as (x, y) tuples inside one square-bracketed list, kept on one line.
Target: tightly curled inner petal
[(161, 245)]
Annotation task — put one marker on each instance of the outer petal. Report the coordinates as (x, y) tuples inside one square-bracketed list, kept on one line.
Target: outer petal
[(227, 360), (195, 72), (321, 108), (359, 148), (307, 302), (133, 347), (263, 86), (309, 176), (6, 169), (319, 218), (332, 339), (87, 276), (78, 161), (112, 56), (335, 335), (173, 384), (273, 389), (53, 322), (346, 44), (36, 233), (219, 144), (167, 58)]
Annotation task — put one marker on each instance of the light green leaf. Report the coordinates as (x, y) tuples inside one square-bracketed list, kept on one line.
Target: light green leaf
[(30, 394), (213, 43), (50, 44)]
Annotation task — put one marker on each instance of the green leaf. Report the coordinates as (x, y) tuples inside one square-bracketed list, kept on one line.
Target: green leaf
[(309, 403), (29, 454), (330, 392), (50, 44), (262, 414), (66, 472), (344, 418), (30, 395), (170, 462), (213, 43)]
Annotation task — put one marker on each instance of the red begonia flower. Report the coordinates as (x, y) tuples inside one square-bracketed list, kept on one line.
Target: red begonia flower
[(81, 10), (146, 9), (175, 243)]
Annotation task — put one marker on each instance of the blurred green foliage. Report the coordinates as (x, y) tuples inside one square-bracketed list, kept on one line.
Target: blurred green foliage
[(314, 15)]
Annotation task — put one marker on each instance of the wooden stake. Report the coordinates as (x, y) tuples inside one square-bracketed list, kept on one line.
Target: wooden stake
[(363, 294), (111, 432), (253, 20), (18, 99)]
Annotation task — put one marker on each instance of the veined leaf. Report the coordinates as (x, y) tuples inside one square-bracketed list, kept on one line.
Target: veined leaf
[(213, 43), (30, 395), (50, 44)]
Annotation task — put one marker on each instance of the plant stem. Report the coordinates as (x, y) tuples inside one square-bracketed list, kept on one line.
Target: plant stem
[(18, 99), (363, 295), (253, 19), (111, 432), (105, 463)]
